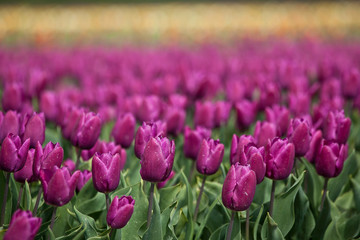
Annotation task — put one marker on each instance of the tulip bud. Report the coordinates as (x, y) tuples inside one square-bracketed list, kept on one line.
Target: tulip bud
[(10, 124), (254, 158), (222, 113), (239, 188), (145, 133), (178, 101), (88, 131), (163, 183), (157, 159), (34, 128), (83, 179), (269, 95), (237, 145), (314, 148), (204, 114), (23, 226), (299, 135), (299, 103), (210, 156), (106, 172), (336, 127), (330, 160), (279, 158), (45, 159), (175, 119), (71, 122), (264, 131), (58, 185), (193, 139), (246, 113), (150, 109), (280, 116), (351, 83), (124, 129), (26, 172), (120, 211), (12, 97), (70, 165), (49, 105), (13, 154)]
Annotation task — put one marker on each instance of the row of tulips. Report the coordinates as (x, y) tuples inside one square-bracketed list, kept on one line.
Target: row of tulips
[(289, 113)]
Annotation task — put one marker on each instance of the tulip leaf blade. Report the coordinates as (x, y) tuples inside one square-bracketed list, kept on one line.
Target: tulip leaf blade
[(74, 233), (356, 189), (89, 224), (27, 200), (314, 184), (284, 213), (155, 229), (168, 195), (202, 225), (270, 230), (257, 222)]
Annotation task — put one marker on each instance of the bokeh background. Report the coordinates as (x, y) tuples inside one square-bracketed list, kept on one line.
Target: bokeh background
[(60, 21)]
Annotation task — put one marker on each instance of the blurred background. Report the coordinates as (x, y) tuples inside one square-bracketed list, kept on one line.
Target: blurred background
[(59, 21)]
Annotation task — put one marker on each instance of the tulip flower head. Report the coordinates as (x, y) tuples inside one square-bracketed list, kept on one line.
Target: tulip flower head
[(33, 127), (23, 226), (254, 157), (193, 139), (124, 130), (299, 135), (120, 211), (210, 156), (237, 145), (13, 154), (336, 127)]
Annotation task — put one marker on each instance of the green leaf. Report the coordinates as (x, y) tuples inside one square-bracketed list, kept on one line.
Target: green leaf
[(322, 221), (348, 225), (256, 226), (92, 205), (356, 189), (270, 230), (189, 203), (169, 195), (220, 233), (74, 233), (204, 221), (50, 234), (155, 229), (88, 222), (314, 184), (284, 214), (26, 200)]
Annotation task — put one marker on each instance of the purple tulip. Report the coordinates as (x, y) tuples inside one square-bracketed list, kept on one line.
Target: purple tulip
[(120, 211), (299, 103), (145, 133), (314, 148), (264, 132), (351, 83), (26, 172), (222, 113), (254, 158), (163, 183), (34, 128), (210, 156), (23, 226), (239, 188), (88, 131), (299, 135), (106, 171), (69, 164), (336, 127), (237, 145), (175, 120), (246, 113), (58, 185), (71, 122), (330, 160), (10, 124), (204, 114), (157, 159), (124, 130), (178, 101), (48, 104), (280, 116), (45, 159), (269, 95), (13, 154), (12, 97), (279, 158), (149, 109), (193, 139), (83, 179)]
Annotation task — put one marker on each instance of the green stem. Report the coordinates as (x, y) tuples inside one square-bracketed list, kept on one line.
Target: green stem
[(192, 171), (199, 198), (107, 199), (78, 151), (247, 230), (20, 195), (6, 190), (228, 235), (272, 198), (37, 201), (52, 219), (324, 194), (151, 199)]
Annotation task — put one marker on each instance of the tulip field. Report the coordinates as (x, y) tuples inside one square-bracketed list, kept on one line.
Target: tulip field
[(253, 139)]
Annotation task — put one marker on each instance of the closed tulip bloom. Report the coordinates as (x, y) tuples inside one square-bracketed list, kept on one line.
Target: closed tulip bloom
[(222, 113), (10, 124), (23, 226), (204, 114), (264, 131), (269, 95), (145, 132), (71, 122), (83, 179), (279, 158), (106, 172), (124, 130), (149, 109), (12, 97), (299, 135), (246, 113), (336, 127), (13, 154), (48, 104), (26, 172), (178, 101), (120, 211), (193, 139), (351, 83), (237, 145), (58, 185), (330, 160), (315, 145), (157, 160), (299, 103), (210, 156), (254, 158), (239, 188), (34, 128), (280, 116), (88, 131), (163, 183), (175, 120), (70, 165)]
